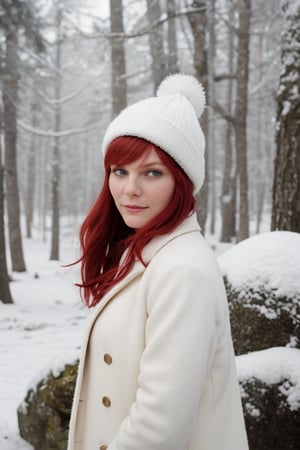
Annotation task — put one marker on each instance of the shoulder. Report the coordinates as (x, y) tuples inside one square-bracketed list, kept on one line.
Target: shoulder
[(183, 276), (186, 251), (187, 260), (183, 252)]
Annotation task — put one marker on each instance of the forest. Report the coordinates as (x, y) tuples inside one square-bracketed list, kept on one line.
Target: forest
[(67, 68)]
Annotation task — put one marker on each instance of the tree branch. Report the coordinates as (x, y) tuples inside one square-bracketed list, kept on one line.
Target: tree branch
[(157, 23), (225, 115), (49, 133), (224, 76)]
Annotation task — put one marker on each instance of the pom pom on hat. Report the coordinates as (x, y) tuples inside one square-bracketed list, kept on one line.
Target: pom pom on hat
[(169, 121), (186, 85)]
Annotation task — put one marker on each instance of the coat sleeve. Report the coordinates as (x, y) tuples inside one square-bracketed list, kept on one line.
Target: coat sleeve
[(180, 341)]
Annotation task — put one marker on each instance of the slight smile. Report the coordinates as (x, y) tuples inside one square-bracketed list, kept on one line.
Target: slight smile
[(134, 208)]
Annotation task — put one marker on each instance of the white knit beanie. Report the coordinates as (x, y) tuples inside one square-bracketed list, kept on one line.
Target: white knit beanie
[(170, 121)]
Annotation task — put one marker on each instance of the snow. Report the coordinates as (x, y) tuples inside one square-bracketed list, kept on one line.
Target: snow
[(286, 108), (272, 366), (268, 259), (291, 7), (41, 330), (44, 327)]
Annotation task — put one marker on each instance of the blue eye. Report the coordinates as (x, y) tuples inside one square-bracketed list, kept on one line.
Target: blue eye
[(154, 173), (119, 172)]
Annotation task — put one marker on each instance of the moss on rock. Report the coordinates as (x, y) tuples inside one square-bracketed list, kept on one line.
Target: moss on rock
[(270, 421), (261, 319), (44, 414)]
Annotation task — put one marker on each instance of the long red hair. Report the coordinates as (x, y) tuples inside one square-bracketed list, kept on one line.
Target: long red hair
[(104, 236)]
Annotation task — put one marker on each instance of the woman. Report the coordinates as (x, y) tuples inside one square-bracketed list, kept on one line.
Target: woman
[(157, 369)]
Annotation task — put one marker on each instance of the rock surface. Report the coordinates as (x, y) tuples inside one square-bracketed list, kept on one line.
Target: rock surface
[(262, 281), (44, 415), (270, 386), (260, 319)]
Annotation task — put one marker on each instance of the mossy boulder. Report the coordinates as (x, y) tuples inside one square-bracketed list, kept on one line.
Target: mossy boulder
[(262, 281), (44, 415), (260, 319), (270, 385)]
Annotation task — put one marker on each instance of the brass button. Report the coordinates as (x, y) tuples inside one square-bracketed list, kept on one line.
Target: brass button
[(106, 402), (107, 358), (103, 447)]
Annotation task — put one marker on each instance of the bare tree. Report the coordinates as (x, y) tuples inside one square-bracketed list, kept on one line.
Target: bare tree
[(228, 196), (118, 67), (55, 228), (31, 175), (241, 110), (159, 65), (5, 294), (198, 23), (10, 99), (261, 184), (211, 52), (17, 18), (286, 186), (172, 38)]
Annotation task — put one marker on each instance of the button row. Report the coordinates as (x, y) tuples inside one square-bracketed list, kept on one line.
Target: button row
[(105, 400)]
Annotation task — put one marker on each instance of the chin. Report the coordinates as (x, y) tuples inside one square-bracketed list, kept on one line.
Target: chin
[(135, 224)]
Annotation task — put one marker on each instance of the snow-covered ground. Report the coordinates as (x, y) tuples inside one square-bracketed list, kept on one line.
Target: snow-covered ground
[(43, 326)]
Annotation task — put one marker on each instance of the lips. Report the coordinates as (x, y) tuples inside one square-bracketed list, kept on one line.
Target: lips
[(134, 208)]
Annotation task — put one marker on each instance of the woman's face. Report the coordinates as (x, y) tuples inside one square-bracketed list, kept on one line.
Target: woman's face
[(142, 189)]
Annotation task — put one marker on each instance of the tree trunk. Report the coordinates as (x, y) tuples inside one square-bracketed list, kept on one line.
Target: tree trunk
[(44, 191), (172, 39), (159, 64), (211, 86), (118, 67), (30, 189), (228, 196), (286, 185), (55, 228), (260, 200), (241, 115), (10, 131), (5, 294), (198, 24), (260, 181), (31, 171)]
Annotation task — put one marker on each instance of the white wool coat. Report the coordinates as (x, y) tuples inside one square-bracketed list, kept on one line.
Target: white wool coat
[(157, 369)]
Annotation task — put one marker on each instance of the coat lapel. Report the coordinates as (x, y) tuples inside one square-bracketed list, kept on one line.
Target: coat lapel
[(135, 272), (138, 268)]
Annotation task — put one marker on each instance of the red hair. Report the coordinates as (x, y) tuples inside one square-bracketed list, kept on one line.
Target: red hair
[(104, 236)]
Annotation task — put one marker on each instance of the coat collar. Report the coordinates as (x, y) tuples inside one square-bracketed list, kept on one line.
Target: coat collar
[(190, 224)]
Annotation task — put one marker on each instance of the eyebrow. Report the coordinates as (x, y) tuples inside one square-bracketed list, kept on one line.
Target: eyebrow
[(149, 164), (153, 163)]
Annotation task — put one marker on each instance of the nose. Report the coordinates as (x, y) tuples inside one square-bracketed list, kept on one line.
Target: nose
[(132, 186)]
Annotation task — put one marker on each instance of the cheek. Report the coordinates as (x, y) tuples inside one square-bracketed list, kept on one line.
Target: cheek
[(168, 197), (167, 191)]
